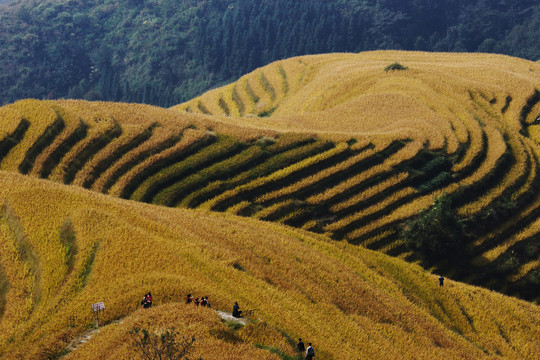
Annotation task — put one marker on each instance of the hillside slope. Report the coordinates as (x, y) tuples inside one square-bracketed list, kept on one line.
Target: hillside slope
[(469, 124), (341, 147), (64, 248)]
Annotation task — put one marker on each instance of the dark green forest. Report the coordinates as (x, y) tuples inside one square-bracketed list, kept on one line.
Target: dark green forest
[(164, 52)]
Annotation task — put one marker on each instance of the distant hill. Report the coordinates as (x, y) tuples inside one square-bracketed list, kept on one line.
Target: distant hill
[(346, 145), (166, 52), (64, 248)]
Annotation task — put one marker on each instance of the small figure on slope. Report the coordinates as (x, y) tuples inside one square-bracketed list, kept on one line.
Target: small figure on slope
[(310, 352), (300, 346), (146, 301), (236, 312), (143, 301)]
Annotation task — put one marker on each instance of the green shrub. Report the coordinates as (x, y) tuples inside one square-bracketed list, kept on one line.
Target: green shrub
[(160, 346), (436, 233), (267, 113), (67, 235), (395, 66)]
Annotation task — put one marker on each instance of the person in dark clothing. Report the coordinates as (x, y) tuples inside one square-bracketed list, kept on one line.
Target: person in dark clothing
[(236, 312), (148, 300), (188, 298), (310, 352), (143, 301), (300, 346), (441, 280)]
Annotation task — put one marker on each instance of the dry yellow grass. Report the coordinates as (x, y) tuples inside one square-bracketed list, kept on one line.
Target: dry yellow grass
[(280, 174), (98, 128), (534, 131), (272, 209), (114, 342), (396, 197), (531, 230), (72, 123), (525, 268), (467, 102), (21, 281), (532, 171), (189, 138), (347, 92), (443, 101), (495, 149), (403, 212), (369, 192), (309, 181), (159, 137), (407, 152), (132, 114), (129, 132), (145, 115), (41, 116), (11, 117), (348, 301), (465, 121)]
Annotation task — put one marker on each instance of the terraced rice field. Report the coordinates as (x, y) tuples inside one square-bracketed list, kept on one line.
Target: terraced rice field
[(328, 143), (63, 248)]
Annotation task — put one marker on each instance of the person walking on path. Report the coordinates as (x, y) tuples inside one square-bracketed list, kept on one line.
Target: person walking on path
[(441, 280), (236, 312), (310, 352), (300, 346)]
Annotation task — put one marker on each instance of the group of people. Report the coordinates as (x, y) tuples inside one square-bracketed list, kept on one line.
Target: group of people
[(203, 301), (310, 352), (146, 301)]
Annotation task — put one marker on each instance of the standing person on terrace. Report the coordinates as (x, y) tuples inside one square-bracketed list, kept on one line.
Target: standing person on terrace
[(310, 352), (300, 346)]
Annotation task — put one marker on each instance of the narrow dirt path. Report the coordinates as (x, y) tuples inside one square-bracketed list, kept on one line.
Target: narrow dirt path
[(87, 335), (228, 317), (81, 339)]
